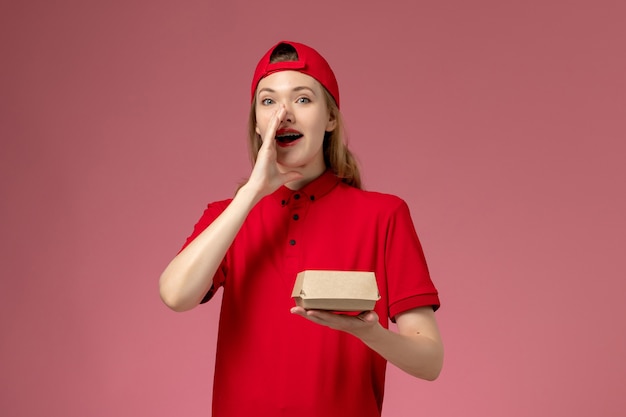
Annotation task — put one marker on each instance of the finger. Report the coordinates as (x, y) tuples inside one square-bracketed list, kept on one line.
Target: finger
[(368, 316), (327, 318), (291, 176), (313, 315), (272, 127), (298, 310)]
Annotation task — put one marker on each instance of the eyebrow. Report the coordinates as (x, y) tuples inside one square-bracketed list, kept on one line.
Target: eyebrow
[(295, 89)]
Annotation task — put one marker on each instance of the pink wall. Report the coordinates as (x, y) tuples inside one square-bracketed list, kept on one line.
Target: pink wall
[(503, 126)]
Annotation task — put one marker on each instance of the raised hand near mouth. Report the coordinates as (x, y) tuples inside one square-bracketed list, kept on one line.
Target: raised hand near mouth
[(266, 177), (189, 275)]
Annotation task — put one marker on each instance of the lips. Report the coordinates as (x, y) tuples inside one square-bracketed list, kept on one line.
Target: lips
[(287, 135)]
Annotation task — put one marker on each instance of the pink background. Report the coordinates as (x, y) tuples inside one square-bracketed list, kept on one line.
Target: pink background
[(501, 123)]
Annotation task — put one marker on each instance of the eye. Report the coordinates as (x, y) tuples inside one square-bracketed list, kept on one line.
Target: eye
[(303, 100), (267, 101)]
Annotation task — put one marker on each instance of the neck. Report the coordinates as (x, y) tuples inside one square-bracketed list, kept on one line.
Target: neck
[(307, 178)]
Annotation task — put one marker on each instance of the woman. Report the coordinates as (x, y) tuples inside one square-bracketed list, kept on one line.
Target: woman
[(303, 208)]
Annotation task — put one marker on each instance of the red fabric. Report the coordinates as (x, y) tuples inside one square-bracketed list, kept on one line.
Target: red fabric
[(272, 363), (309, 62)]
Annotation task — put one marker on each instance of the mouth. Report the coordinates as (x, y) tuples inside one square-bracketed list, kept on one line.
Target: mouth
[(287, 135)]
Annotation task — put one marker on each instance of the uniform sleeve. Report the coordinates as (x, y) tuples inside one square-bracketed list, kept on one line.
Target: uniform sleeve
[(408, 280), (212, 211)]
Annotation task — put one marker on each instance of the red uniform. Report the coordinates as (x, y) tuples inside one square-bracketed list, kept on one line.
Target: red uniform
[(272, 363)]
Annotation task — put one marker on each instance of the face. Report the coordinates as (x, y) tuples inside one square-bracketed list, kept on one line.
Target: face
[(300, 136)]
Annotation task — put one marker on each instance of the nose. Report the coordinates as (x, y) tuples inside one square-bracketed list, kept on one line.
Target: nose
[(289, 115)]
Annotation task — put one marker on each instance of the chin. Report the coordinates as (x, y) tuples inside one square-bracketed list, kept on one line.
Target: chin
[(291, 163)]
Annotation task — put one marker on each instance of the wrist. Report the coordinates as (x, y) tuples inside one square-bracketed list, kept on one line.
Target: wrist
[(370, 334), (248, 193)]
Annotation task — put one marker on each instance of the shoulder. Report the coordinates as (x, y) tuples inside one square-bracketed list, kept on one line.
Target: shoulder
[(212, 211), (219, 205), (373, 200)]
